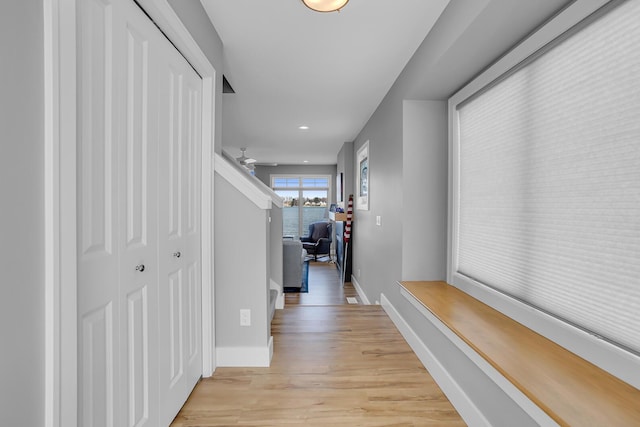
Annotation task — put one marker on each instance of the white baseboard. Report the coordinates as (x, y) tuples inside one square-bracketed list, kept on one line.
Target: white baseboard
[(280, 300), (360, 291), (245, 357), (463, 404)]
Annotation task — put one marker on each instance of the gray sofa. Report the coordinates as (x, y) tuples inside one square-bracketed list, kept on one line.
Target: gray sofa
[(293, 256)]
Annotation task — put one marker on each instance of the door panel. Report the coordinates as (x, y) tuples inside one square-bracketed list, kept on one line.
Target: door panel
[(97, 367), (193, 154), (179, 236), (193, 320), (138, 278), (138, 356), (174, 161), (98, 257), (137, 133), (175, 328), (96, 153)]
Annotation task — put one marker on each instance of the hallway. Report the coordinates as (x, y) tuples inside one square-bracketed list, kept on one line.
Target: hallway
[(334, 364), (325, 287)]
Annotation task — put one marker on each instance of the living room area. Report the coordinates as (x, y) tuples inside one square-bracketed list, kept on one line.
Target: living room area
[(314, 263)]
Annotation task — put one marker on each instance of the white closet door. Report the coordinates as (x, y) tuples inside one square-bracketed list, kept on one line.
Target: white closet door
[(179, 233), (137, 322)]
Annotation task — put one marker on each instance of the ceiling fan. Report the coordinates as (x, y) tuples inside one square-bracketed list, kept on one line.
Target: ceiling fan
[(244, 160)]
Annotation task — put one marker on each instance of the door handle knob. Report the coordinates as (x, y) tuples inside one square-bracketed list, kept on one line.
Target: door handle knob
[(140, 268), (177, 254)]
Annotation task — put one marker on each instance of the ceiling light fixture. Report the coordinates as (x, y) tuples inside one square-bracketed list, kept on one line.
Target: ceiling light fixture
[(303, 127), (244, 160), (325, 5)]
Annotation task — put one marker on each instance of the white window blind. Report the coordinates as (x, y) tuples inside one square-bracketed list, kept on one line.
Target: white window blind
[(548, 172)]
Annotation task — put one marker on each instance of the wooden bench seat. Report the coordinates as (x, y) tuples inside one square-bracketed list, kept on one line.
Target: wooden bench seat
[(570, 390)]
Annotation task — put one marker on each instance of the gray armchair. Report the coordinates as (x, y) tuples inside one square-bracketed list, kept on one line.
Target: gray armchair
[(318, 242)]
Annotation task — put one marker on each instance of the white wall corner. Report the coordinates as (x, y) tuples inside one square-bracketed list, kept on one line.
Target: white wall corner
[(244, 183), (280, 301), (361, 294)]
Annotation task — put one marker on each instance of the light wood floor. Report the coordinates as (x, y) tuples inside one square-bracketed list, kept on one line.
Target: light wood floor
[(334, 364), (325, 287)]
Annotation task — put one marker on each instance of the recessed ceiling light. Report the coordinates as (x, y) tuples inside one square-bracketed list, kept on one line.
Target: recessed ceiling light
[(303, 127), (305, 161)]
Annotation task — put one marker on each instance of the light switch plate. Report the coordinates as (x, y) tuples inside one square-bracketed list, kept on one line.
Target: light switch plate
[(245, 317)]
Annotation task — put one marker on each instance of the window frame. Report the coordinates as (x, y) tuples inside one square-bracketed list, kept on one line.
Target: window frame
[(614, 359), (300, 188)]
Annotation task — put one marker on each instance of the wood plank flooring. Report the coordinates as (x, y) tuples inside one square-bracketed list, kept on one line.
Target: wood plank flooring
[(334, 364), (325, 287)]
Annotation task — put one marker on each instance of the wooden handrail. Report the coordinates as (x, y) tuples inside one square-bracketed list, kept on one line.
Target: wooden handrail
[(571, 390)]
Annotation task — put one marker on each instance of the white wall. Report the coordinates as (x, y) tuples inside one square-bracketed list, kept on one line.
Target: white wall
[(22, 213)]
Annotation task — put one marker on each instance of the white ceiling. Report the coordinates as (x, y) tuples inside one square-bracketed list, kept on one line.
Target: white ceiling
[(290, 66)]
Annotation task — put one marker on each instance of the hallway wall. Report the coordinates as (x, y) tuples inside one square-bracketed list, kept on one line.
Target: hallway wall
[(22, 213), (469, 36), (194, 17)]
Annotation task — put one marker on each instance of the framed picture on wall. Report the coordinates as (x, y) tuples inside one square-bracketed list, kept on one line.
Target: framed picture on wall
[(363, 174)]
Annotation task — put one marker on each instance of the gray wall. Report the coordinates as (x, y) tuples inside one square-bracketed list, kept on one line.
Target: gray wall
[(22, 213), (242, 264), (408, 156), (377, 250), (469, 36), (194, 17), (424, 190)]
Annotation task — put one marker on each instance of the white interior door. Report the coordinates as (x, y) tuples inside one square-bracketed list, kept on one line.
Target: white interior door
[(139, 324), (180, 92)]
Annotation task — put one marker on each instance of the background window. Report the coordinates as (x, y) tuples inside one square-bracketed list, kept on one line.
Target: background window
[(306, 200)]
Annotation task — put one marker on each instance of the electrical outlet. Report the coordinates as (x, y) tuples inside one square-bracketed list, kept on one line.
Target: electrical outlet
[(378, 220), (245, 317), (358, 272)]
